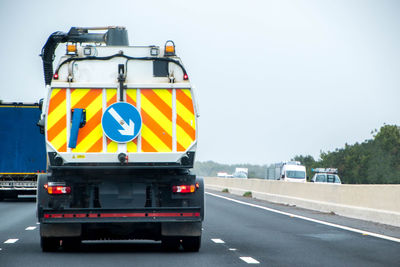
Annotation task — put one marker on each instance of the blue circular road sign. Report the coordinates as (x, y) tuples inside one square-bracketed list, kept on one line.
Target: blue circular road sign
[(121, 122)]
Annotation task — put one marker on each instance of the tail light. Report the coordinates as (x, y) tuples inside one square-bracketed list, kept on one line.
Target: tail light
[(183, 189), (57, 189)]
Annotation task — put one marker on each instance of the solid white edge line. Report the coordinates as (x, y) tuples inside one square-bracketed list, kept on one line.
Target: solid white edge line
[(11, 241), (394, 239), (249, 260)]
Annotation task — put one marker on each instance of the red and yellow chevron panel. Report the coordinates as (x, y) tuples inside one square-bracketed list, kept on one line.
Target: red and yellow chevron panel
[(156, 112), (111, 96), (57, 120), (90, 137), (131, 95), (185, 120), (155, 108)]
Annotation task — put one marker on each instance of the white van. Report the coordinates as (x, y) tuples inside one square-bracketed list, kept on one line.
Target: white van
[(293, 172)]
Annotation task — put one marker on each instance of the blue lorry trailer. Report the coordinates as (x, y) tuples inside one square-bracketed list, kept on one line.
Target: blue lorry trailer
[(22, 149)]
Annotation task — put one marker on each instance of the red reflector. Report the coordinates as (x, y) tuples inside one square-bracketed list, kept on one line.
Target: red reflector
[(122, 215), (58, 190), (183, 188), (55, 76), (185, 76)]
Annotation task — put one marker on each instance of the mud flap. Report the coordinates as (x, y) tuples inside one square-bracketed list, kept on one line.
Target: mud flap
[(181, 229), (60, 230)]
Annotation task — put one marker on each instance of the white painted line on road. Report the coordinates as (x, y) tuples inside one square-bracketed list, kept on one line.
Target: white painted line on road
[(30, 228), (394, 239), (249, 260), (218, 241), (232, 249), (10, 241), (38, 223)]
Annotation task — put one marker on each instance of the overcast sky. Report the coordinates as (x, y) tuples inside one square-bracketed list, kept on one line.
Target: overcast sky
[(274, 79)]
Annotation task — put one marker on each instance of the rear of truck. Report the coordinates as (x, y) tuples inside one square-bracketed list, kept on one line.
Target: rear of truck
[(121, 134), (22, 153)]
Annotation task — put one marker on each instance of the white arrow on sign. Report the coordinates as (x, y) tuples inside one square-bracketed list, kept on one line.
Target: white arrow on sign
[(128, 128)]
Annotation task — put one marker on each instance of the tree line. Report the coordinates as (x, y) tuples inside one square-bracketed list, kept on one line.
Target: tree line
[(374, 161)]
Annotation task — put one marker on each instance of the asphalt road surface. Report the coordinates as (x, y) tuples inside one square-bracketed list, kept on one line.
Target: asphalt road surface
[(238, 231)]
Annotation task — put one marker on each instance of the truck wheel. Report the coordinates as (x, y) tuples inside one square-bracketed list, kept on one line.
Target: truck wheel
[(49, 244), (192, 243), (170, 243), (71, 244)]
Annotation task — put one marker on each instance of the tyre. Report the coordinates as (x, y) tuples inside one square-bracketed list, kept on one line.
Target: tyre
[(49, 244), (192, 243), (71, 244), (170, 243)]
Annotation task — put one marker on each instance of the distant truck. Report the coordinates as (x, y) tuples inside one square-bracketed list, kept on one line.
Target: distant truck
[(22, 149), (291, 171), (241, 173)]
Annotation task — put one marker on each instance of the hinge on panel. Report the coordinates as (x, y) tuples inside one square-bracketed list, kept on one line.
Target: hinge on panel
[(71, 71), (82, 121), (121, 80)]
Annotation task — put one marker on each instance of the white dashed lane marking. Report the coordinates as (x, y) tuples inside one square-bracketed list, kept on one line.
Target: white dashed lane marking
[(218, 241), (249, 260), (30, 228), (11, 241)]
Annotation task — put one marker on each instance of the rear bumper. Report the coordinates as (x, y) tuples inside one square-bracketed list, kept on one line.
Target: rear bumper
[(121, 215), (18, 185)]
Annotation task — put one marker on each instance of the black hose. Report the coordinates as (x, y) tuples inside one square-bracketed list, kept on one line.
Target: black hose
[(48, 54), (48, 50), (124, 56)]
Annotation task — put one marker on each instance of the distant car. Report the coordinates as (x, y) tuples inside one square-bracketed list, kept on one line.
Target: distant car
[(323, 178)]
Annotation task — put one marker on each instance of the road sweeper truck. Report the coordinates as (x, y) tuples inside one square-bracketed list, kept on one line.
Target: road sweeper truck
[(120, 126)]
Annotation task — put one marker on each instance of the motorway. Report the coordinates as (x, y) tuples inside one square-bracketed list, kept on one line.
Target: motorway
[(238, 231)]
